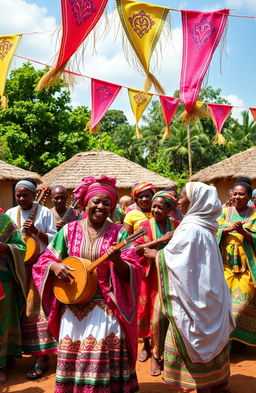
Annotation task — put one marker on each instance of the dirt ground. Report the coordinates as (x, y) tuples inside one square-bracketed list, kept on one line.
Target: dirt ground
[(242, 380)]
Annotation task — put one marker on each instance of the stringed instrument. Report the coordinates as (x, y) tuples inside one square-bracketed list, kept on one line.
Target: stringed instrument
[(83, 281), (73, 205), (33, 245)]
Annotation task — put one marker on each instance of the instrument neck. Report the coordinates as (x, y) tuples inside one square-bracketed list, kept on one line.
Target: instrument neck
[(104, 257)]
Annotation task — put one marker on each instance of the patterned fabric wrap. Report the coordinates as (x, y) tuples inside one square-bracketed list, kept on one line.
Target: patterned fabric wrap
[(169, 199), (239, 258), (219, 114), (103, 94), (139, 101), (13, 284), (202, 32), (143, 24), (151, 321), (120, 296), (8, 46), (92, 186), (140, 187)]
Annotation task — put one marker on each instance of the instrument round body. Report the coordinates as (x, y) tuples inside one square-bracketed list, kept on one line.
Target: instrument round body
[(33, 249), (82, 286)]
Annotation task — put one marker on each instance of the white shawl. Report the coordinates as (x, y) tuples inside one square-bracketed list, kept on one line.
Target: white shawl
[(200, 297)]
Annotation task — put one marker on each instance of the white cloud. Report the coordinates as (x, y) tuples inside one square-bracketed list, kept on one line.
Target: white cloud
[(238, 102), (238, 4)]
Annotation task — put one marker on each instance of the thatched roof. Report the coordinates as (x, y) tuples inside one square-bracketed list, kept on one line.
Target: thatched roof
[(96, 163), (14, 173), (241, 164)]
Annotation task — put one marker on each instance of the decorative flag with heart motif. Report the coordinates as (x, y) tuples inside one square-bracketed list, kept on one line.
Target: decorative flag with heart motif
[(202, 32), (219, 115), (143, 24), (103, 94), (8, 46), (253, 112), (139, 101), (169, 107), (79, 17)]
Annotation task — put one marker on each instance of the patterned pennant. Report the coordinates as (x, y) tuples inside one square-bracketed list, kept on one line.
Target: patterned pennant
[(219, 114), (139, 101), (202, 32), (79, 17), (253, 112), (8, 46), (169, 107), (143, 24), (103, 94)]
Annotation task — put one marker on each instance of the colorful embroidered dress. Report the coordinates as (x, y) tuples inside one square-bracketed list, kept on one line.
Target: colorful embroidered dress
[(151, 321), (239, 258), (98, 340), (13, 282), (36, 339)]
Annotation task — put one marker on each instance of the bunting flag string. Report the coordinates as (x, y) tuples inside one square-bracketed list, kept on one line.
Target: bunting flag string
[(139, 101), (219, 115), (103, 95), (202, 32), (143, 24), (8, 46), (79, 17), (169, 106)]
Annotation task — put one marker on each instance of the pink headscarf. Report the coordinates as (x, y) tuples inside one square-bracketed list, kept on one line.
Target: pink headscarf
[(92, 186)]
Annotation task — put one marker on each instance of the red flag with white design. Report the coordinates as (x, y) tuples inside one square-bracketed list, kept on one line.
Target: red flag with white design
[(219, 115)]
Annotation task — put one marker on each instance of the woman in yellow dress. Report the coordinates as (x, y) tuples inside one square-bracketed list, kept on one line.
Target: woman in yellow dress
[(237, 239)]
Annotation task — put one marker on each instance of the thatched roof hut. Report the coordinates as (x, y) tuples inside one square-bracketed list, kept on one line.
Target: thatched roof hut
[(96, 163), (9, 175), (225, 173)]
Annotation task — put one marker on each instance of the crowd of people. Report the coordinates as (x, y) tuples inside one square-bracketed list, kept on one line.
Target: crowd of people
[(184, 285)]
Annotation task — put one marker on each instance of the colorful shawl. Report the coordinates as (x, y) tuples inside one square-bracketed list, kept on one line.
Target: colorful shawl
[(119, 295), (238, 252)]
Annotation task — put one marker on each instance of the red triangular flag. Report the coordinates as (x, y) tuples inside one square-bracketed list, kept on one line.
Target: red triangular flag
[(253, 112), (169, 107), (202, 32), (219, 114), (103, 94)]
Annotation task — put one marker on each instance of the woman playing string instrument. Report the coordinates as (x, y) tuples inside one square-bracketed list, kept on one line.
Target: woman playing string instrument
[(97, 340), (35, 337), (13, 292), (195, 296), (152, 324)]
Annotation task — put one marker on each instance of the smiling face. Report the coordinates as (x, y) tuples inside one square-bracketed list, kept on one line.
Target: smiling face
[(24, 198), (159, 209), (183, 202), (144, 200), (240, 197), (98, 209)]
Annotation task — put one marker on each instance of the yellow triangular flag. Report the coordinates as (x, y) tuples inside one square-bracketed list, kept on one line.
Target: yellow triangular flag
[(8, 46), (139, 101), (143, 24)]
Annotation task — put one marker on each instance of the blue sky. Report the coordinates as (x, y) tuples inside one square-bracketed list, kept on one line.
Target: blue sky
[(237, 77)]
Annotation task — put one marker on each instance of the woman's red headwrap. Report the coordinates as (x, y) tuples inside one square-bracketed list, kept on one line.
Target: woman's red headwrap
[(92, 186)]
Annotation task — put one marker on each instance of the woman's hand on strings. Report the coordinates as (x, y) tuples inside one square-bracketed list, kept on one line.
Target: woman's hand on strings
[(62, 271), (114, 254)]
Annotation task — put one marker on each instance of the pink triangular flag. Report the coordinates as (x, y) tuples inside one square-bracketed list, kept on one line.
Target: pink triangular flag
[(103, 94), (219, 114), (202, 32), (253, 112), (169, 107)]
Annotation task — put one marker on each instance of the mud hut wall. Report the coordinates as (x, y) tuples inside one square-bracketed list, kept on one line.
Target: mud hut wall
[(6, 194)]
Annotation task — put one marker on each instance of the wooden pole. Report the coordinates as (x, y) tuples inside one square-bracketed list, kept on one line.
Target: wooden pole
[(189, 152)]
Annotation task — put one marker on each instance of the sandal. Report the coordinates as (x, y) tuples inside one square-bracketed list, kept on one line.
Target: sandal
[(36, 371), (155, 370), (144, 355)]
